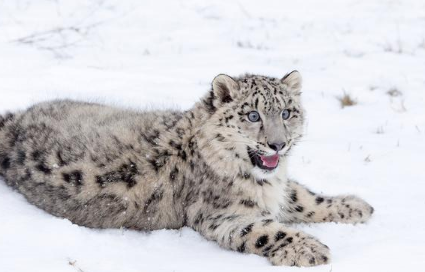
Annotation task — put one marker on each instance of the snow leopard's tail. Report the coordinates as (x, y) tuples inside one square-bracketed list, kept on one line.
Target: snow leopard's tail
[(5, 120)]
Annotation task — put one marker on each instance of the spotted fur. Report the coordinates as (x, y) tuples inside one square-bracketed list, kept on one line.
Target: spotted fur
[(104, 167)]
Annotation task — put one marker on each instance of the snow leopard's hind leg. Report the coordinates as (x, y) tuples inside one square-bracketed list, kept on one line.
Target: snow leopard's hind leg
[(308, 207)]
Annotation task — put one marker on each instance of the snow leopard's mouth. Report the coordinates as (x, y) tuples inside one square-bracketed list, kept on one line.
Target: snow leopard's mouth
[(263, 162)]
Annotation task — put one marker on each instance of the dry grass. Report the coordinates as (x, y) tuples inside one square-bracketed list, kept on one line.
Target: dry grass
[(346, 100), (380, 130), (422, 44), (373, 87), (367, 159), (394, 92), (397, 47), (249, 45)]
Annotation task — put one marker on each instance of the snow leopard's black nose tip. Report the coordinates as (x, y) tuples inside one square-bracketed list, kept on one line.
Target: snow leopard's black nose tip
[(276, 146)]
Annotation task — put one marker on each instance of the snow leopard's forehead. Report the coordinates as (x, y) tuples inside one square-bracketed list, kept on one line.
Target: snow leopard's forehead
[(267, 94)]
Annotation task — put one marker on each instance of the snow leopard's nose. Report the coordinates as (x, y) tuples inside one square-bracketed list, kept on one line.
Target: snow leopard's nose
[(276, 146)]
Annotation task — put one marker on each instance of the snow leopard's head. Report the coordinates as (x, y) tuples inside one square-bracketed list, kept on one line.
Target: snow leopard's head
[(254, 122)]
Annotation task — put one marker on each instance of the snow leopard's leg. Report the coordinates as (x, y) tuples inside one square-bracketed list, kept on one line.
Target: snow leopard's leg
[(306, 206), (263, 236)]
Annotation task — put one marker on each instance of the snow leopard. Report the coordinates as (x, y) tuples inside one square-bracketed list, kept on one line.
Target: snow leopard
[(219, 168)]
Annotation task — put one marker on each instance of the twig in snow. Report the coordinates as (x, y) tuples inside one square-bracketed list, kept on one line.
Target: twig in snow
[(244, 11), (57, 39), (74, 264)]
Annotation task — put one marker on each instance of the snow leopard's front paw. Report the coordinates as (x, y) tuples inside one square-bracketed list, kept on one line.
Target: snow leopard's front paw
[(300, 250), (352, 209)]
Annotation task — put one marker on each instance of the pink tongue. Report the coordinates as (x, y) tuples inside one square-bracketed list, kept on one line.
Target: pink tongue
[(270, 161)]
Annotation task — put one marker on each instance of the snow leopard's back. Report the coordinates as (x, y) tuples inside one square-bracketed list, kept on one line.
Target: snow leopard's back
[(91, 164)]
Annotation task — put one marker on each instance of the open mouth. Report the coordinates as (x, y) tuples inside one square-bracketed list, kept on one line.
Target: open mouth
[(263, 162)]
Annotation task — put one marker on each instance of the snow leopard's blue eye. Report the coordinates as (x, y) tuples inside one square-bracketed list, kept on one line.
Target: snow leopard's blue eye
[(253, 116), (286, 114)]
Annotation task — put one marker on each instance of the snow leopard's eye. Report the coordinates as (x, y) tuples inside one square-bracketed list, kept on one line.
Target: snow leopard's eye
[(253, 116), (286, 114)]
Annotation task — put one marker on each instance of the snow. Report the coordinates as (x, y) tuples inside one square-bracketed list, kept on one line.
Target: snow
[(160, 54)]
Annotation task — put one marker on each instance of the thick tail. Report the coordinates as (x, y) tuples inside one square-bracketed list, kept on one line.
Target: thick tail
[(4, 160), (4, 119)]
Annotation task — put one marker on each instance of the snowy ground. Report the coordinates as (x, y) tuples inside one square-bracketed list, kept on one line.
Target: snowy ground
[(136, 54)]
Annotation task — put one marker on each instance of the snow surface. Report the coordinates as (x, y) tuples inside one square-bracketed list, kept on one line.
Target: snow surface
[(135, 54)]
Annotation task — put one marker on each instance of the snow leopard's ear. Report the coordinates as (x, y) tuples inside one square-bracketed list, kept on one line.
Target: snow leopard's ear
[(293, 82), (225, 89)]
